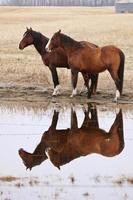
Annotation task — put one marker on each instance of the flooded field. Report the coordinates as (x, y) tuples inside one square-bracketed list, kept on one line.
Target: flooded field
[(80, 151)]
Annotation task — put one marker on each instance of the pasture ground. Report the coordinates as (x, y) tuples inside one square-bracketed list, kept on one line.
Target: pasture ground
[(22, 73)]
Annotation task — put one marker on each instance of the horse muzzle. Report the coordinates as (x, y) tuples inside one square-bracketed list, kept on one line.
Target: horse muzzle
[(21, 47)]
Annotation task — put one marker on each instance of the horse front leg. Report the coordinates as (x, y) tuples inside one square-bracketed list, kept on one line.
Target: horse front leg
[(86, 77), (57, 87), (94, 81), (85, 83), (74, 78)]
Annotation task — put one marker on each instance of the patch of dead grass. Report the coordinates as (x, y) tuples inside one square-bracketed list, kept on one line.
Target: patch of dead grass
[(8, 178)]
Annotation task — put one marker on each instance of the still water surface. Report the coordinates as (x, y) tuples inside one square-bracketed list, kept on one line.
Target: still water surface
[(91, 145)]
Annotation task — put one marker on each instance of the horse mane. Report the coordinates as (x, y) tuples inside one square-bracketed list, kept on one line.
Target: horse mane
[(68, 41), (39, 37), (40, 41)]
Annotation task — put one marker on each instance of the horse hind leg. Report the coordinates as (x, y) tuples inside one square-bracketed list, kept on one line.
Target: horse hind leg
[(118, 75), (118, 89), (116, 79)]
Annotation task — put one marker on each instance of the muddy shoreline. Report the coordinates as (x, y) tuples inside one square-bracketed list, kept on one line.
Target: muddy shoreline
[(39, 94)]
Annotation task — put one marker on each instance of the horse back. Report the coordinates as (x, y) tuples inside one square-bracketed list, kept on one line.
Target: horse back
[(87, 59), (85, 43)]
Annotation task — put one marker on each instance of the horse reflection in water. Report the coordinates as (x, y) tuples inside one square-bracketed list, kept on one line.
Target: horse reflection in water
[(63, 146)]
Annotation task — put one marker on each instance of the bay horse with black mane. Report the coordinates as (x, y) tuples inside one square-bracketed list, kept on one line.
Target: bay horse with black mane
[(62, 146), (55, 59), (91, 60)]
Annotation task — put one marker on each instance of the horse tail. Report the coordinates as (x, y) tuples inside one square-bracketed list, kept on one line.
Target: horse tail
[(121, 136), (121, 70)]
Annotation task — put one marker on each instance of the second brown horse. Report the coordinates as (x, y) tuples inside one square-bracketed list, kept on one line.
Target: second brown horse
[(91, 60)]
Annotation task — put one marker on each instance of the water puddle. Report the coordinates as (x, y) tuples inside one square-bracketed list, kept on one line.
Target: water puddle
[(69, 152)]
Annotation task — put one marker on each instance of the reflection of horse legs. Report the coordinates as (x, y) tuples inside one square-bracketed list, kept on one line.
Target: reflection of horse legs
[(74, 122), (92, 119), (55, 80), (115, 139), (54, 120), (118, 124)]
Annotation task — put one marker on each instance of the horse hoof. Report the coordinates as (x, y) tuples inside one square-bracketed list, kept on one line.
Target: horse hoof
[(115, 101), (57, 90), (54, 95)]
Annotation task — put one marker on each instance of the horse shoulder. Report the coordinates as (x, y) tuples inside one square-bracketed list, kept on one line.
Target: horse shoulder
[(60, 53), (60, 57), (46, 59)]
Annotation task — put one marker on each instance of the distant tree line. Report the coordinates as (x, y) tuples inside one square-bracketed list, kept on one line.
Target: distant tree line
[(58, 2)]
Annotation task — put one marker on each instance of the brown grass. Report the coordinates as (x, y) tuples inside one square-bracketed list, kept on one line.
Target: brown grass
[(98, 25), (122, 180), (8, 178)]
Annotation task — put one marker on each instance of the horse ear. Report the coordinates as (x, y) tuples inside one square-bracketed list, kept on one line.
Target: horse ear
[(30, 29), (59, 31), (27, 28)]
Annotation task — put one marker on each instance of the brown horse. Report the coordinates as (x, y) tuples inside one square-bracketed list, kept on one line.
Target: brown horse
[(62, 146), (55, 59), (91, 60)]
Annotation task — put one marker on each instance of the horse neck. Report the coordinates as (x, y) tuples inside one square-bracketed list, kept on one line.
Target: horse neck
[(39, 153), (69, 44), (39, 43)]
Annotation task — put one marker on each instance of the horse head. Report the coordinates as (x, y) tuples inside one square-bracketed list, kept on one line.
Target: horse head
[(27, 39), (54, 42)]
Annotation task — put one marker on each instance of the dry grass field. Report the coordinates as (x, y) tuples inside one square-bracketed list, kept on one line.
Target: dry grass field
[(98, 25)]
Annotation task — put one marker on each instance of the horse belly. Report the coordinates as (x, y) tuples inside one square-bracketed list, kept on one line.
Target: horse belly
[(87, 63)]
